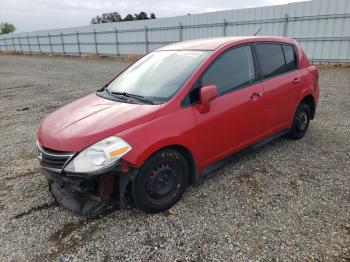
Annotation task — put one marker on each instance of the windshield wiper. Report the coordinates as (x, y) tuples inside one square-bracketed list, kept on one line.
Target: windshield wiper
[(105, 89), (125, 94), (102, 88)]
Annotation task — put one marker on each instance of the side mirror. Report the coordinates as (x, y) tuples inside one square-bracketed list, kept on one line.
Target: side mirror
[(206, 95)]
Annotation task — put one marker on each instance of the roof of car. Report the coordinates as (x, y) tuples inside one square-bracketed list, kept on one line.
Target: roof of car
[(217, 42)]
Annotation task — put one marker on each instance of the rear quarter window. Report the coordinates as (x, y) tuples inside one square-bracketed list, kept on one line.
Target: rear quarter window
[(291, 57), (271, 59)]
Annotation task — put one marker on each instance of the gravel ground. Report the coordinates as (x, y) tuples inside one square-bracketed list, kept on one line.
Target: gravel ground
[(287, 201)]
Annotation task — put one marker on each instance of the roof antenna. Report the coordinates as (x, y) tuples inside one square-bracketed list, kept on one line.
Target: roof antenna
[(257, 32)]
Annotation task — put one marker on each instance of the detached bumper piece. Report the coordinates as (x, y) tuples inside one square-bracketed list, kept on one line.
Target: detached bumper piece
[(90, 196)]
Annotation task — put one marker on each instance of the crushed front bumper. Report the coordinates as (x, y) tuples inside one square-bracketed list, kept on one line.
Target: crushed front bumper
[(90, 195)]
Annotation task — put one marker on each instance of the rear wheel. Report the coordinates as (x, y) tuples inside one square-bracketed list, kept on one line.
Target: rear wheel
[(301, 121), (161, 181)]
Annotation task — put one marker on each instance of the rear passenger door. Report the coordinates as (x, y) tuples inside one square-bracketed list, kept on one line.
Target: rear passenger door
[(281, 80)]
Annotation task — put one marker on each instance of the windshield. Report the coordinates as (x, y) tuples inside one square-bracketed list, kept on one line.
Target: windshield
[(158, 75)]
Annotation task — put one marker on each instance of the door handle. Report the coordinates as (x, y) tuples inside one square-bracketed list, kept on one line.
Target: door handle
[(296, 80), (256, 95)]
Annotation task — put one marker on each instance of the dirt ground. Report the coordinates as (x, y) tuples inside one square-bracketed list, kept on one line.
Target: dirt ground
[(290, 200)]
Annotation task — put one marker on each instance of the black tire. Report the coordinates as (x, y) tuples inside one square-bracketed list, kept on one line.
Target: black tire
[(161, 182), (301, 122)]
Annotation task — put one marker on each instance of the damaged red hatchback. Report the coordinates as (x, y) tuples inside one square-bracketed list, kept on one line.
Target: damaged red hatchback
[(173, 116)]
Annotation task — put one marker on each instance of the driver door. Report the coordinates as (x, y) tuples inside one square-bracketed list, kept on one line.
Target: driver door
[(236, 117)]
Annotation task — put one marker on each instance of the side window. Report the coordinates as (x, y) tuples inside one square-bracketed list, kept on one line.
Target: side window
[(291, 57), (271, 59), (233, 69)]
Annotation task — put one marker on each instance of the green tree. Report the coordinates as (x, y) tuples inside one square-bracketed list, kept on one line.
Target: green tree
[(115, 17), (106, 18), (6, 28), (142, 16), (129, 17)]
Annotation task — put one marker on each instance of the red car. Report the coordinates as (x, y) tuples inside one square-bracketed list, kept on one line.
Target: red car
[(175, 115)]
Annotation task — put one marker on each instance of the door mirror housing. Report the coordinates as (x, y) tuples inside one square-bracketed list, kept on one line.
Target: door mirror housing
[(206, 95)]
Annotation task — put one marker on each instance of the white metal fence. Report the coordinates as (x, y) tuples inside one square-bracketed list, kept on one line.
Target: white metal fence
[(321, 26)]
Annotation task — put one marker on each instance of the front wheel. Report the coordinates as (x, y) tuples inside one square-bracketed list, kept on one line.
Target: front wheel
[(161, 181), (301, 122)]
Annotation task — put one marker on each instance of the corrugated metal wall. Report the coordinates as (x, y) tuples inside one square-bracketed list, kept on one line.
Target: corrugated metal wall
[(321, 26)]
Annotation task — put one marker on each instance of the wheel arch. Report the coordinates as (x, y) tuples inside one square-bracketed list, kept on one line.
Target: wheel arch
[(186, 152), (190, 161), (310, 101)]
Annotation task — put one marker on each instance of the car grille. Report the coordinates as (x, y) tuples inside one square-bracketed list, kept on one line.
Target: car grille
[(53, 160)]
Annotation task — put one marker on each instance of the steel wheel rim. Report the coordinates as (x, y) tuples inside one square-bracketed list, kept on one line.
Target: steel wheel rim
[(163, 182), (302, 120)]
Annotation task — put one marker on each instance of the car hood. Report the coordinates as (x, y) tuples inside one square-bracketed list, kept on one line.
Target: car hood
[(90, 119)]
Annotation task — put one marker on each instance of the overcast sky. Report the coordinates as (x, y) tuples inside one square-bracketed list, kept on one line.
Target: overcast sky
[(30, 15)]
